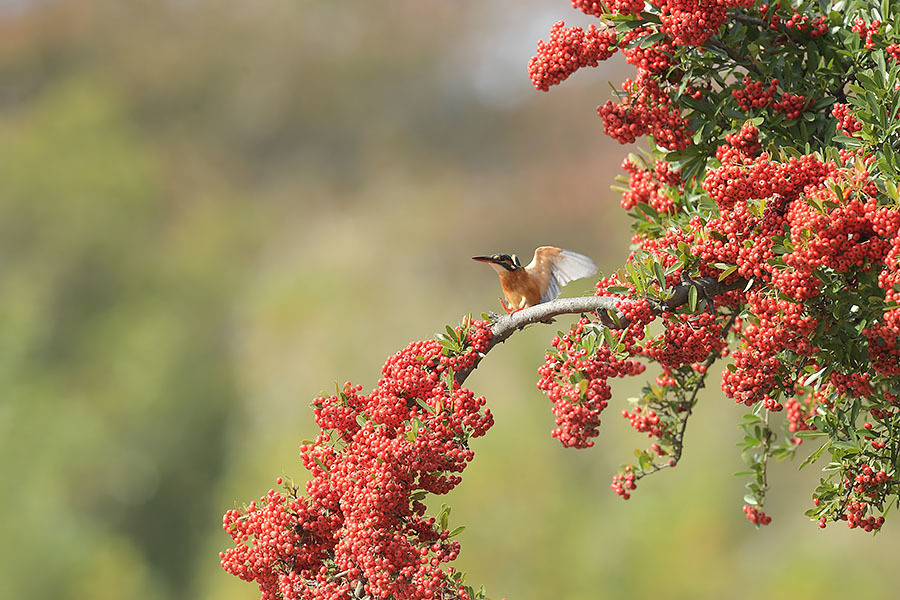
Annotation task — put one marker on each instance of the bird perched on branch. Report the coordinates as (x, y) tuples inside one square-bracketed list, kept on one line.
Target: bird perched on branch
[(542, 280)]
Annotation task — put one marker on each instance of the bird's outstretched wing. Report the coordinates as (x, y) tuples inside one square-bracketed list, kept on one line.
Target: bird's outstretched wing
[(554, 267)]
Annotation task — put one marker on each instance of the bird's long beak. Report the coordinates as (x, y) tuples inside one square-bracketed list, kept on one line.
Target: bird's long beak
[(486, 259)]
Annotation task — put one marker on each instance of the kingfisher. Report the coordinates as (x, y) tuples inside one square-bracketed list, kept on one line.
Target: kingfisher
[(540, 281)]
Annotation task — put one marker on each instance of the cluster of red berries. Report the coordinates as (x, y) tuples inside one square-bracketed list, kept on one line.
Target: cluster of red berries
[(568, 50), (867, 481), (867, 487), (655, 58), (598, 9), (623, 483), (893, 51), (574, 377), (841, 239), (854, 232), (855, 513), (647, 110), (687, 339), (692, 22), (792, 106), (884, 344), (800, 411), (645, 186), (644, 422), (852, 385), (755, 94), (846, 121), (815, 27), (361, 527), (866, 31), (756, 516), (745, 143)]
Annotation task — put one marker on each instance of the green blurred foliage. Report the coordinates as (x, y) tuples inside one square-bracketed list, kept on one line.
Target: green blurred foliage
[(212, 211)]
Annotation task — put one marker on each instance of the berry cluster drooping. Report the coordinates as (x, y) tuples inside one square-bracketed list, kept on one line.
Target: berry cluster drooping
[(648, 186), (361, 527), (568, 50), (766, 218), (574, 377), (756, 516)]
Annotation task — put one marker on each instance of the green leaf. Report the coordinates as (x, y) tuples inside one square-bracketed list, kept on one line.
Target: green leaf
[(846, 445), (692, 298), (815, 455), (660, 275), (428, 409), (698, 105), (815, 376), (847, 140), (443, 517), (727, 272)]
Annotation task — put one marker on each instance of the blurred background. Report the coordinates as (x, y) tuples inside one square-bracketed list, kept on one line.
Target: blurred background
[(213, 211)]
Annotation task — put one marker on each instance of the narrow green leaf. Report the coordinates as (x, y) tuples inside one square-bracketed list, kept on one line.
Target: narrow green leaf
[(815, 455), (660, 275), (727, 272)]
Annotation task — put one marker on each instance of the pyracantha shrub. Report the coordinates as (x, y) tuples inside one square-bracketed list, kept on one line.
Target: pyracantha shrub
[(766, 237)]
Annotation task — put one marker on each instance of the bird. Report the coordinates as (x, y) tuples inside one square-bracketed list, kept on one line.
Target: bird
[(540, 281)]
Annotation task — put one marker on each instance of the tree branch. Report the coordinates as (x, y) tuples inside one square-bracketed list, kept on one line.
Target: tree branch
[(505, 326)]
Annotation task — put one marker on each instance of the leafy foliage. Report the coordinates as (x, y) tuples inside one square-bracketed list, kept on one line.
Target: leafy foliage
[(766, 231)]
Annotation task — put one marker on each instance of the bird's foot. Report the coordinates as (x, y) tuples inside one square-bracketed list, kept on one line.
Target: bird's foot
[(509, 310)]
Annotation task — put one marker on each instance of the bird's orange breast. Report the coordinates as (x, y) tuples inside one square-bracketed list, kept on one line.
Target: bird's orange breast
[(519, 288)]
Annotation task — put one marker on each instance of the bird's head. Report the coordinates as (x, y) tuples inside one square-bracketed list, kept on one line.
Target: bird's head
[(502, 263)]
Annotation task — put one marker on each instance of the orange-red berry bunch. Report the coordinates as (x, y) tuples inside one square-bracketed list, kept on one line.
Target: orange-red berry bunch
[(647, 110), (884, 344), (756, 516), (792, 106), (814, 27), (624, 483), (574, 377), (361, 526), (866, 31), (800, 410), (655, 58), (687, 339), (754, 94), (745, 143), (846, 121), (692, 22), (644, 422), (598, 9), (645, 186), (568, 50), (855, 515), (893, 51)]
